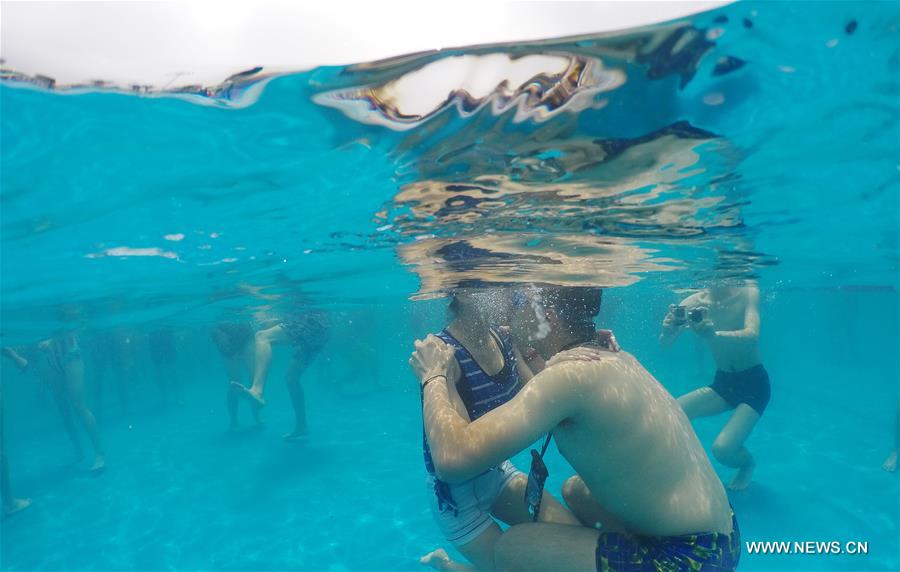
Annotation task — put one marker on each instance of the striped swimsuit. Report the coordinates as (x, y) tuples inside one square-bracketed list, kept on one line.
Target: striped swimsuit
[(479, 391)]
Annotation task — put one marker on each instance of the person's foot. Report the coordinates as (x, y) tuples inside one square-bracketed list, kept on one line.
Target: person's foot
[(295, 436), (890, 464), (99, 465), (17, 505), (254, 397), (439, 560), (742, 479)]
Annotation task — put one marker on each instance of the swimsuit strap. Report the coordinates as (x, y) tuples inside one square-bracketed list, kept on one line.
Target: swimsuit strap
[(546, 444)]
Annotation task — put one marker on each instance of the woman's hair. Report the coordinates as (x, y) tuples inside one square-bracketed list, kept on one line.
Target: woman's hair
[(453, 308)]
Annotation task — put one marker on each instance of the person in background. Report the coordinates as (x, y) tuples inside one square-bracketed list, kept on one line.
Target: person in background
[(234, 342), (113, 352), (489, 372), (358, 334), (124, 348), (306, 331), (163, 355), (96, 346), (66, 377), (11, 504), (726, 317), (890, 464)]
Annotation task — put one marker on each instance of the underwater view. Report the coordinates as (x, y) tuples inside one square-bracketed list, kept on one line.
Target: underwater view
[(633, 296)]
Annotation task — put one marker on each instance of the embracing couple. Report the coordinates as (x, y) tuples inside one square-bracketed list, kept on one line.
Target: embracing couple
[(644, 496)]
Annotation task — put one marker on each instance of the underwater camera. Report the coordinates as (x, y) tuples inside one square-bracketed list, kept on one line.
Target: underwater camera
[(682, 315)]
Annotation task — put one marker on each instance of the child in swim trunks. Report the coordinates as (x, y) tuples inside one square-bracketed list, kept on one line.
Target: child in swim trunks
[(727, 319)]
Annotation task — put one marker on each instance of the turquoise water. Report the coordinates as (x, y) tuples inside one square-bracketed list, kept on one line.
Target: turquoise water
[(755, 141)]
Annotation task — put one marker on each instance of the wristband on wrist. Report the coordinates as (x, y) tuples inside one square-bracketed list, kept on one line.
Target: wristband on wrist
[(432, 378)]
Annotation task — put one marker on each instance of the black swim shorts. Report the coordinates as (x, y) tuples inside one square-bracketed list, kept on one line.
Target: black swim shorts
[(750, 386)]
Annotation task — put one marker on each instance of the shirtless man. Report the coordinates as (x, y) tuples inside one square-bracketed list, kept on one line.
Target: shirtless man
[(727, 318), (645, 477)]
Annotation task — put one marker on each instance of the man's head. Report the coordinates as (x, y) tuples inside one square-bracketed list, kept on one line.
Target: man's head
[(723, 289), (487, 304), (562, 315)]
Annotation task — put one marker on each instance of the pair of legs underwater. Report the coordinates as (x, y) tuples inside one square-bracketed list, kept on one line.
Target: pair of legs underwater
[(11, 504), (587, 538), (508, 508), (263, 342), (68, 390), (728, 447)]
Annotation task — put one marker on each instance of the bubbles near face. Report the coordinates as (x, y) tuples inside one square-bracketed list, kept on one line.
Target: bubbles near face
[(528, 318)]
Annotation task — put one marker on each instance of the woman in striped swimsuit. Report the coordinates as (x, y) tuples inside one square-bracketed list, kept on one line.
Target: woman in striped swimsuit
[(491, 371)]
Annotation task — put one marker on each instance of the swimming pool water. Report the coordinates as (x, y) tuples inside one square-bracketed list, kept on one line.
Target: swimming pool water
[(183, 493), (159, 211)]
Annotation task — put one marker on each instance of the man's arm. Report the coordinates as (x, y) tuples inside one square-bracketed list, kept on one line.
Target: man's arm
[(463, 450), (525, 371), (751, 318)]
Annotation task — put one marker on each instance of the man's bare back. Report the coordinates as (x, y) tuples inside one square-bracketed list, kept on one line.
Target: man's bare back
[(638, 454), (613, 422)]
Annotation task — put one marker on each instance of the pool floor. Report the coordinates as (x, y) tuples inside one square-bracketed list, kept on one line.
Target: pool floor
[(182, 493)]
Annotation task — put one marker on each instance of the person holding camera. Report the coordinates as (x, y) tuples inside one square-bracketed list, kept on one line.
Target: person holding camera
[(726, 317)]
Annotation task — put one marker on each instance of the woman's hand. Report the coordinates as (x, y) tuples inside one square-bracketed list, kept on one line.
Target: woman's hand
[(605, 338), (433, 357), (578, 354)]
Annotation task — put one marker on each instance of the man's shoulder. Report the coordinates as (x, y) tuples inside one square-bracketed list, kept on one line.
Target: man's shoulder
[(613, 368), (605, 385), (750, 292), (586, 370)]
